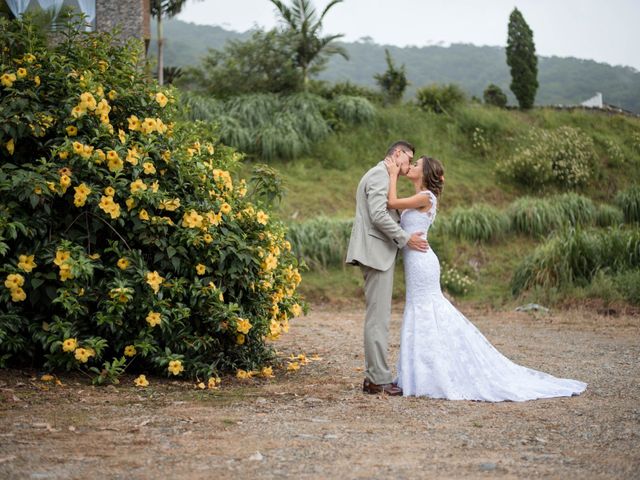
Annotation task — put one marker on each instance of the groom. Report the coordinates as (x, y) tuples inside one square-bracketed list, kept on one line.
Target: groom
[(375, 240)]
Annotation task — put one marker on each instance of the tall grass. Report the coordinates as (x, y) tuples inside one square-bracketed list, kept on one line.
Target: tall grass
[(629, 202), (608, 216), (481, 223), (534, 216), (575, 209), (275, 126), (573, 256), (321, 242)]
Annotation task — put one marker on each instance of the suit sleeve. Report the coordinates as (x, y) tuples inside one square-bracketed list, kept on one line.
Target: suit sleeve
[(377, 190)]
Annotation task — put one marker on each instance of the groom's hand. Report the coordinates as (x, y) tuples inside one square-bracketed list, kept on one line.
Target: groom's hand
[(417, 242)]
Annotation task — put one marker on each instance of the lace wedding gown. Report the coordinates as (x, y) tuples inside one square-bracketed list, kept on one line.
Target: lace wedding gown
[(442, 355)]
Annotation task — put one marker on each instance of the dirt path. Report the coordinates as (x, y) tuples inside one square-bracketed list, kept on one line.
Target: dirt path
[(315, 423)]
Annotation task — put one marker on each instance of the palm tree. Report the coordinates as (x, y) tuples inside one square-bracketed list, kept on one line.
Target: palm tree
[(312, 50), (159, 9)]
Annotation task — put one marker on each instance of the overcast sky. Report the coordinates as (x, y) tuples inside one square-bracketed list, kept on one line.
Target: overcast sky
[(605, 31)]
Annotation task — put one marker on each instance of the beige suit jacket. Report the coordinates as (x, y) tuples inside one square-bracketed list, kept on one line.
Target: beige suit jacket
[(376, 235)]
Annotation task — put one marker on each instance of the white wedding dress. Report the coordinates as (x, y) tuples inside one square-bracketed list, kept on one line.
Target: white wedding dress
[(442, 355)]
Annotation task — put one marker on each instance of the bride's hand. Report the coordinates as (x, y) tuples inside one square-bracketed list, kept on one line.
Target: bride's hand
[(392, 168)]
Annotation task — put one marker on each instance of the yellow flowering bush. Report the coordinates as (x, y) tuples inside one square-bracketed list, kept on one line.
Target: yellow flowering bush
[(125, 237), (563, 158)]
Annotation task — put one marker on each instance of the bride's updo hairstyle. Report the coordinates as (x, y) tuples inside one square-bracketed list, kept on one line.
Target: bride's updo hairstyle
[(432, 175)]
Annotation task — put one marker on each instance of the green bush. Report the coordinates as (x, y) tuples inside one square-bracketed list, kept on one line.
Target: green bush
[(493, 95), (628, 284), (453, 281), (629, 202), (481, 223), (440, 98), (573, 256), (609, 216), (123, 235), (563, 158)]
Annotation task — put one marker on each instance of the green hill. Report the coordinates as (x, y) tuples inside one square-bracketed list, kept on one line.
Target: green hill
[(562, 80)]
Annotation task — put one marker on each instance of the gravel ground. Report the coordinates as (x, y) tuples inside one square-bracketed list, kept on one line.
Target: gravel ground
[(316, 423)]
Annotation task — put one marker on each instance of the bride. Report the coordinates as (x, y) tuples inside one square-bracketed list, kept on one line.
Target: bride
[(442, 355)]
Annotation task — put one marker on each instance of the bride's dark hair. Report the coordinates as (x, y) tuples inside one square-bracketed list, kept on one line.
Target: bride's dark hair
[(432, 175)]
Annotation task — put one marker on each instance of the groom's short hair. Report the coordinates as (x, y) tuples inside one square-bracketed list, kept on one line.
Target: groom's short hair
[(401, 145)]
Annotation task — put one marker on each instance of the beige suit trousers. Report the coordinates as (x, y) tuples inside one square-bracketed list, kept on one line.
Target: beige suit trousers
[(378, 288)]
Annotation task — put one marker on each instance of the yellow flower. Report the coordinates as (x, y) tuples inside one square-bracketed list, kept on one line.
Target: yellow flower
[(22, 72), (149, 125), (114, 162), (149, 168), (65, 181), (170, 205), (243, 325), (87, 150), (267, 372), (130, 202), (7, 79), (103, 108), (46, 377), (109, 191), (207, 238), (141, 381), (201, 269), (112, 95), (154, 318), (61, 257), (122, 136), (78, 111), (133, 155), (293, 366), (161, 99), (242, 374), (81, 194), (201, 385), (129, 351), (213, 382), (103, 65), (192, 219), (120, 294), (175, 367), (155, 186), (13, 281), (166, 156), (69, 345), (154, 280), (143, 215), (109, 206), (29, 57), (18, 295), (72, 130), (134, 123), (240, 338), (296, 310), (225, 208), (26, 263), (137, 185), (123, 263), (262, 217), (83, 354), (100, 156), (36, 80), (10, 146), (88, 100)]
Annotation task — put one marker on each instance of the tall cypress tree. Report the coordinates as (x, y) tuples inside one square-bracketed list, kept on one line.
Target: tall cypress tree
[(521, 58)]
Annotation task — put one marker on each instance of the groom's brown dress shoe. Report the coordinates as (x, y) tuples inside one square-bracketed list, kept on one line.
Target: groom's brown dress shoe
[(386, 388)]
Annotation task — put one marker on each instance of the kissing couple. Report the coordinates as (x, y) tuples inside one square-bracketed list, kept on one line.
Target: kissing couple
[(442, 354)]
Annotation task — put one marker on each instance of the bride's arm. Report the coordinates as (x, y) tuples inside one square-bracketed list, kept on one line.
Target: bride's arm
[(418, 200)]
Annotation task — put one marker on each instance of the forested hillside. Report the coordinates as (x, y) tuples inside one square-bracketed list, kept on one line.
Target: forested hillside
[(562, 80)]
